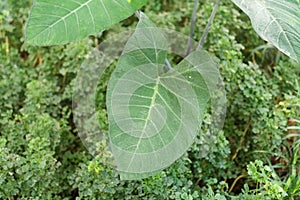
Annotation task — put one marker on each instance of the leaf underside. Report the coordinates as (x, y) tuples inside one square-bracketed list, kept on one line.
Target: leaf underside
[(154, 114), (276, 21), (54, 22)]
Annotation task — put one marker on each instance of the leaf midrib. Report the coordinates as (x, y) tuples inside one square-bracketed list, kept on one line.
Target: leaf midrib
[(155, 93)]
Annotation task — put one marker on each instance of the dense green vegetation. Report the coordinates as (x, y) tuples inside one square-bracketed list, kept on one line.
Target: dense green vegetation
[(255, 157)]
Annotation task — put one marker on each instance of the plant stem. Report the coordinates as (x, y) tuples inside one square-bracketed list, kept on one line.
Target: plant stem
[(211, 18), (168, 65), (192, 28), (234, 182), (137, 13)]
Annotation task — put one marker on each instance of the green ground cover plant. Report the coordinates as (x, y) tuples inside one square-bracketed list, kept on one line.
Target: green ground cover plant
[(255, 156)]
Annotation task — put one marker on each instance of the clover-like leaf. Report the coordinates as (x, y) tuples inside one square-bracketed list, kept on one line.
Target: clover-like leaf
[(276, 21), (154, 113), (62, 21)]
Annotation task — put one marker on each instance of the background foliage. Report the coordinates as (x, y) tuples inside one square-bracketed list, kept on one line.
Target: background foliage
[(255, 157)]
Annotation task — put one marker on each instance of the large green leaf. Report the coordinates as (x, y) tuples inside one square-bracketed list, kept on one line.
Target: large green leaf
[(154, 114), (276, 21), (62, 21)]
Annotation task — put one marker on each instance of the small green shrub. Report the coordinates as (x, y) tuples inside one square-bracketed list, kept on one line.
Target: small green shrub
[(41, 156)]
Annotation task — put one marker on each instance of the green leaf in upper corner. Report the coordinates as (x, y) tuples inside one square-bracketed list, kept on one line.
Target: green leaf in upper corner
[(154, 114), (276, 21), (61, 21)]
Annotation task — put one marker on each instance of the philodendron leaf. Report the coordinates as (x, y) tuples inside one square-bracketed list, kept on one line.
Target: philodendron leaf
[(154, 114), (62, 21), (276, 21)]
